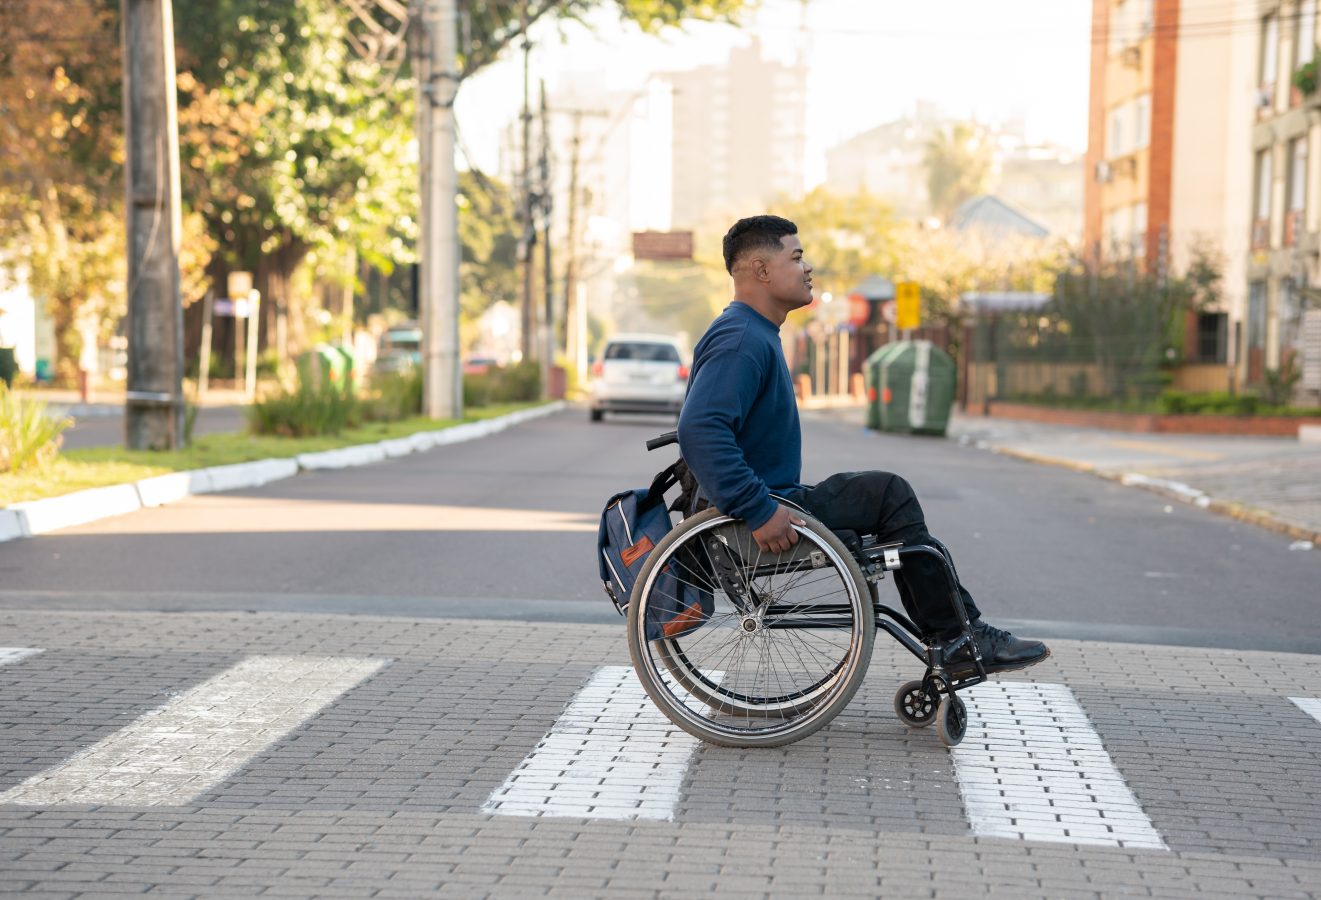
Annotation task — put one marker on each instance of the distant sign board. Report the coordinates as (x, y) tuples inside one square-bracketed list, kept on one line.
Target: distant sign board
[(908, 305), (663, 245)]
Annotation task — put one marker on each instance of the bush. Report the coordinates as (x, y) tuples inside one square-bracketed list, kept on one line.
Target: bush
[(28, 437), (316, 407), (518, 383), (1212, 403), (394, 396)]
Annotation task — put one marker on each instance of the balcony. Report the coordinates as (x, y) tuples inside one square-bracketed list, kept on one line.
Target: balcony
[(1261, 234), (1293, 227)]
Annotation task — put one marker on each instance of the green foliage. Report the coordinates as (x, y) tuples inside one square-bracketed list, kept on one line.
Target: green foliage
[(29, 439), (1304, 77), (1279, 384), (958, 164), (518, 383), (846, 237), (488, 239), (1215, 402), (316, 406), (394, 396)]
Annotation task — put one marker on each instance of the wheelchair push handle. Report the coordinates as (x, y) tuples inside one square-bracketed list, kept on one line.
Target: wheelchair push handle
[(663, 440)]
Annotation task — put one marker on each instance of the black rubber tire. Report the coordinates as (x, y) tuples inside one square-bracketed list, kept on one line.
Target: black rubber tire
[(951, 720), (597, 415), (914, 706), (761, 722)]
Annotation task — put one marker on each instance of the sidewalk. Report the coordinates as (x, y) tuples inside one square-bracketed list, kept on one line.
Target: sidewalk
[(1271, 482)]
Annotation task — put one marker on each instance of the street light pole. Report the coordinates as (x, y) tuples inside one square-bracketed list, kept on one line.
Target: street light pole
[(154, 409), (437, 83)]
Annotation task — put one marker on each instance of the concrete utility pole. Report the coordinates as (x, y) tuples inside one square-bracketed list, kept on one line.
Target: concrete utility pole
[(437, 83), (529, 236), (154, 410)]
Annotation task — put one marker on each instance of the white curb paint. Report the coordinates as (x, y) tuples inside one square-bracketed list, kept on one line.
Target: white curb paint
[(249, 474), (11, 525), (78, 508), (39, 516), (1032, 767), (175, 753), (610, 755), (14, 654), (163, 489), (342, 458), (1309, 705)]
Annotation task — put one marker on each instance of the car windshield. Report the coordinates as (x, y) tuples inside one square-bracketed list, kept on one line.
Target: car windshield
[(402, 340), (640, 350)]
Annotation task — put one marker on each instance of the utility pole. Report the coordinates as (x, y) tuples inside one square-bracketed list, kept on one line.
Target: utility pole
[(437, 83), (574, 339), (154, 409), (529, 235), (545, 205)]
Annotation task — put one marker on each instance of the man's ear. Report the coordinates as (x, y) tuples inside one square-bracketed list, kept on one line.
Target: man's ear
[(760, 270)]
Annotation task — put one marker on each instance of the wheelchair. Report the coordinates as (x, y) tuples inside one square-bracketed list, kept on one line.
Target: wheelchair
[(782, 641)]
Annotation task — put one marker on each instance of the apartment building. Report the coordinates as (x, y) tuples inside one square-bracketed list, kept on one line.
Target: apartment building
[(1175, 89), (1282, 264)]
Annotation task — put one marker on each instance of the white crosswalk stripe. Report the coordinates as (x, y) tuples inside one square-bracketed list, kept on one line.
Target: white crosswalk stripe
[(1309, 705), (1032, 767), (14, 654), (176, 752), (610, 755)]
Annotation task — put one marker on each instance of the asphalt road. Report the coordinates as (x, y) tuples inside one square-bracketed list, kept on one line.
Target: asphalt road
[(505, 527), (108, 430)]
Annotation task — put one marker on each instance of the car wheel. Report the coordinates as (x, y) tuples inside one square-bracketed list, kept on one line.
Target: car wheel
[(597, 415)]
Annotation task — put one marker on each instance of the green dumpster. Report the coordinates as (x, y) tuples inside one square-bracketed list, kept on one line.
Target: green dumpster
[(915, 388), (871, 374)]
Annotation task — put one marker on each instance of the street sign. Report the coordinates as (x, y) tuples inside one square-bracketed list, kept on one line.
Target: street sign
[(908, 305), (663, 245)]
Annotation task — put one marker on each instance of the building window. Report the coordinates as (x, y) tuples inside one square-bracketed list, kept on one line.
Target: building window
[(1297, 191), (1141, 121), (1262, 206), (1117, 132), (1138, 230), (1270, 54), (1305, 39), (1211, 341)]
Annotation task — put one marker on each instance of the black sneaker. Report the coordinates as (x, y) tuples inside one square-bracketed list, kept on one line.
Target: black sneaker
[(1002, 652)]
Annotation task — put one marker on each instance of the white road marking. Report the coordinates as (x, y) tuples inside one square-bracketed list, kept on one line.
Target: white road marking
[(1309, 705), (1032, 767), (610, 755), (14, 654), (177, 752)]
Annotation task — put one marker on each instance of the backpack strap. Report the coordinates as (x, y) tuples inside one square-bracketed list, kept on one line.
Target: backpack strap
[(665, 479)]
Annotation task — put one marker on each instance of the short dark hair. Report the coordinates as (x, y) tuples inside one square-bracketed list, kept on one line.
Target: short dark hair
[(755, 233)]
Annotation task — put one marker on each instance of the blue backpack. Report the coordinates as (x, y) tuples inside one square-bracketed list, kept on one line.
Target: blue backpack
[(632, 524)]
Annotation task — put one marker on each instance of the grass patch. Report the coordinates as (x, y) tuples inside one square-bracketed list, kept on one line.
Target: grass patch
[(76, 470)]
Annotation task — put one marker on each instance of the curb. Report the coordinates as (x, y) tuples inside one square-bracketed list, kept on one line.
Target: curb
[(1174, 490), (33, 517)]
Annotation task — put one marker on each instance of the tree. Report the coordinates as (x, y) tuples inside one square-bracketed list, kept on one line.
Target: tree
[(846, 237), (61, 167), (488, 238), (293, 149), (958, 164)]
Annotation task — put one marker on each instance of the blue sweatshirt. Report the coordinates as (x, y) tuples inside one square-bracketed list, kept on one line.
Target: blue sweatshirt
[(739, 429)]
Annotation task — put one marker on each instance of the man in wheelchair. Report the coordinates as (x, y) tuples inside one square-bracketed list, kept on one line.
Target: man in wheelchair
[(740, 436)]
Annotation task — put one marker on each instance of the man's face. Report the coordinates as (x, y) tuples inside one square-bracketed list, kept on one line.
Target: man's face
[(790, 274)]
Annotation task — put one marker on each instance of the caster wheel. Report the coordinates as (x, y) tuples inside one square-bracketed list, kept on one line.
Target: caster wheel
[(914, 705), (951, 720)]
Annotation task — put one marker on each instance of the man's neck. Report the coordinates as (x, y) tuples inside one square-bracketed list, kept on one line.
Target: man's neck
[(765, 308)]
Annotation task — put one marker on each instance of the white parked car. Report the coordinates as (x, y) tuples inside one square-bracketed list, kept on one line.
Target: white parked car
[(639, 373)]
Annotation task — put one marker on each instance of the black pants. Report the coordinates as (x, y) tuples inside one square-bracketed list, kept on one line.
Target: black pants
[(883, 504)]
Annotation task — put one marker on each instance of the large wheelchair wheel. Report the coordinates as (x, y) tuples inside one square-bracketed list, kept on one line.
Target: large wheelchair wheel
[(779, 647)]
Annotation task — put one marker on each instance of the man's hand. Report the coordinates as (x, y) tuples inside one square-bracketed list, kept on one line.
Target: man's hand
[(778, 534)]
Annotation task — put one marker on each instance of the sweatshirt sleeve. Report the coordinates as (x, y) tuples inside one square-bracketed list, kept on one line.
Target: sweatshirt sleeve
[(723, 391)]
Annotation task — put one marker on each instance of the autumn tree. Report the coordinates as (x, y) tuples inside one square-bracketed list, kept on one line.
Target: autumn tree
[(958, 163)]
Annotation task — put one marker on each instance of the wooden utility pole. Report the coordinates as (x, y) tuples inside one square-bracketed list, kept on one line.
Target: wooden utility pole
[(544, 209), (437, 83), (154, 409)]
